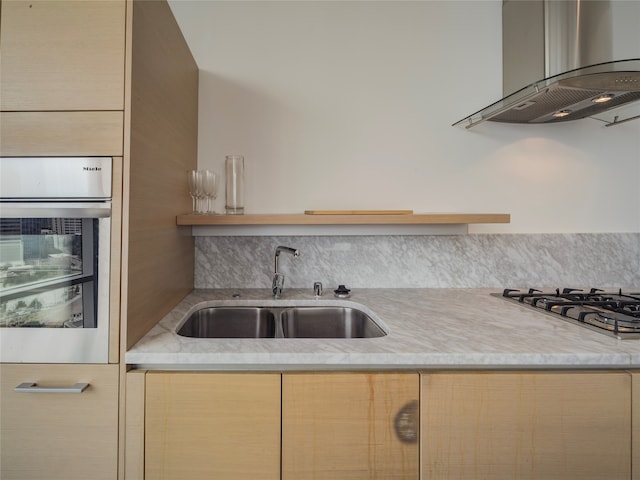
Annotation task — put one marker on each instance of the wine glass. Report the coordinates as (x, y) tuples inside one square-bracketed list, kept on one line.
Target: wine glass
[(210, 189), (201, 196), (194, 188)]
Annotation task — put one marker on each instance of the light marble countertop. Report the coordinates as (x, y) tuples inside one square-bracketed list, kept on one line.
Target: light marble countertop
[(427, 329)]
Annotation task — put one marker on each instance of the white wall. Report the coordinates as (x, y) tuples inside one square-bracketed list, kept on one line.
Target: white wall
[(342, 104)]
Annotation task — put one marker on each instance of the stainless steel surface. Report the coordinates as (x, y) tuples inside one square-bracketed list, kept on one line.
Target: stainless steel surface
[(289, 250), (560, 55), (280, 322), (57, 209), (617, 121), (616, 314), (58, 178), (230, 322), (543, 38), (73, 196), (277, 285), (328, 322), (31, 387)]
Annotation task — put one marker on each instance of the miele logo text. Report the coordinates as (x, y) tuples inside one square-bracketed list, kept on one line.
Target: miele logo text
[(91, 169)]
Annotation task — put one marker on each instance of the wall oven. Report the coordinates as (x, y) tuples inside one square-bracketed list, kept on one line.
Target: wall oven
[(55, 232)]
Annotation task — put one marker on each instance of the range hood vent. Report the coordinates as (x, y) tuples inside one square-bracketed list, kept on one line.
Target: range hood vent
[(570, 45)]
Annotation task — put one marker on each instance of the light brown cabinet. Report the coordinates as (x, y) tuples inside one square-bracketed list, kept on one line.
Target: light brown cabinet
[(59, 436), (241, 426), (208, 425), (61, 55), (361, 425), (102, 78), (62, 77), (350, 426), (526, 425)]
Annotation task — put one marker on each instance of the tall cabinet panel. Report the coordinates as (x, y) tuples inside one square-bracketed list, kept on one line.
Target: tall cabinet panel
[(351, 426), (526, 425), (62, 55), (161, 145), (101, 78)]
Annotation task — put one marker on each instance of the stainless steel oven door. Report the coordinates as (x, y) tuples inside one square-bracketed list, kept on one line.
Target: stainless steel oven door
[(54, 282)]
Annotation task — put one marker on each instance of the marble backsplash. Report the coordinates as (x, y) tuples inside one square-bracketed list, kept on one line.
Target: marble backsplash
[(427, 261)]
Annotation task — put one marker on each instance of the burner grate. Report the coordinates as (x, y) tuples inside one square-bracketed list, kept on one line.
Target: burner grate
[(612, 313)]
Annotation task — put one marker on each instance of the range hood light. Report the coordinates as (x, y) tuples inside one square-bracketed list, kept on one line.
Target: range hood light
[(561, 113), (603, 98)]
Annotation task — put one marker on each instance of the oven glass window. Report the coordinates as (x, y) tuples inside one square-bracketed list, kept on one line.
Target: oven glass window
[(48, 272)]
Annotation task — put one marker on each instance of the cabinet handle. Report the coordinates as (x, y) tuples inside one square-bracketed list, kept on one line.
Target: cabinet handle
[(406, 423), (31, 387)]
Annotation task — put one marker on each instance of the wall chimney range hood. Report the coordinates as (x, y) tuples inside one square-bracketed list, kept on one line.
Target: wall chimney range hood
[(587, 53)]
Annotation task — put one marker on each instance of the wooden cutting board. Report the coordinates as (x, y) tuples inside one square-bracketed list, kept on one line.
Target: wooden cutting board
[(358, 212)]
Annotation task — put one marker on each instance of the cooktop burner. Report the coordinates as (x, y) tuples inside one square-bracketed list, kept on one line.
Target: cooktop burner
[(613, 313)]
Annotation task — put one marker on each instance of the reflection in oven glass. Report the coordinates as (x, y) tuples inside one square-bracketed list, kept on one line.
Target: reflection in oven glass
[(42, 273), (61, 307)]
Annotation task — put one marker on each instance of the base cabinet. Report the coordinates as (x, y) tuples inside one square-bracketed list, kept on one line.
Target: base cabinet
[(524, 425), (350, 426), (527, 425), (204, 425), (63, 435), (244, 425)]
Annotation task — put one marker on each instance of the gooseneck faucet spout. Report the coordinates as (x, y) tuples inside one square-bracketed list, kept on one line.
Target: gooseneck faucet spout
[(278, 278)]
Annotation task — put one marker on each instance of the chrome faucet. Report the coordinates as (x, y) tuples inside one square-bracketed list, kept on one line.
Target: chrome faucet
[(278, 278)]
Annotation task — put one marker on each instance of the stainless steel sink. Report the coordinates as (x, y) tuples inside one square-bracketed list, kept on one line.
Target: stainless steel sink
[(329, 322), (280, 322), (230, 322)]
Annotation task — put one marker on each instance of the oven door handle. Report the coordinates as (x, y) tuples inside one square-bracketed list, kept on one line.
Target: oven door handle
[(31, 387), (55, 209)]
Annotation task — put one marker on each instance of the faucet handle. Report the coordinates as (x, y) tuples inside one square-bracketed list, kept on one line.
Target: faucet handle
[(317, 289)]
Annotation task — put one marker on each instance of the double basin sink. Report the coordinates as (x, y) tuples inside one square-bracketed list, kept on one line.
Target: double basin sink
[(280, 322)]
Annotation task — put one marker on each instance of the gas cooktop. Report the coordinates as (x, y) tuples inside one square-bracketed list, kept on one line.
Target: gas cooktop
[(616, 314)]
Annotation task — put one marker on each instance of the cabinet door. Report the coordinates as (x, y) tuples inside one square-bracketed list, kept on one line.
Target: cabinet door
[(350, 426), (62, 55), (209, 425), (61, 134), (529, 425), (635, 415), (59, 436)]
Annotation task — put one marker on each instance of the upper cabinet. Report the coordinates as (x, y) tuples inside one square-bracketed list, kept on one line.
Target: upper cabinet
[(62, 55), (62, 77)]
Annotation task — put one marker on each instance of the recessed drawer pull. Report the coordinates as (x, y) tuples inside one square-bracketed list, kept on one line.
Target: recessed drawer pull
[(31, 387)]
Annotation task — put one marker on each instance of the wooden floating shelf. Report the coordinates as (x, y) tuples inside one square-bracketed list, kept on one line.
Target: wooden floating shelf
[(302, 219)]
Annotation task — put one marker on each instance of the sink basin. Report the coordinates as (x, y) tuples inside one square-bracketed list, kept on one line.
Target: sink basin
[(230, 322), (329, 322), (280, 322)]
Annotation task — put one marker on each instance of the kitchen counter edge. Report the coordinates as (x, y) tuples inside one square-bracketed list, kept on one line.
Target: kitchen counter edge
[(427, 329)]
